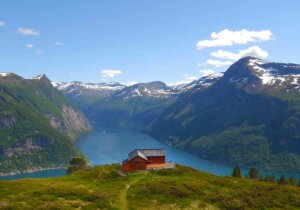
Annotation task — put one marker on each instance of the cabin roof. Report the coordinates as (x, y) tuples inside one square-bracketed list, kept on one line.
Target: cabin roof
[(144, 153)]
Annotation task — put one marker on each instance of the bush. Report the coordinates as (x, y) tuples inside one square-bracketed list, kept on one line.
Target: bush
[(282, 180), (77, 164), (236, 172), (253, 173)]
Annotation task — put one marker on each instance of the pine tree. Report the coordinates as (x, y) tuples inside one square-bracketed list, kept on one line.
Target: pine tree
[(237, 172), (282, 180), (253, 173)]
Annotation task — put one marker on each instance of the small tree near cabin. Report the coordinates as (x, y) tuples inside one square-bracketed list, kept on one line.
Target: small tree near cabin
[(282, 180), (77, 164), (236, 172), (253, 173)]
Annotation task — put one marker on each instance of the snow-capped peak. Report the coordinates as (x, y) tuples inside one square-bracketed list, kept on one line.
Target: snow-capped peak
[(256, 61), (203, 82), (78, 88), (274, 73), (39, 77), (4, 74), (152, 89)]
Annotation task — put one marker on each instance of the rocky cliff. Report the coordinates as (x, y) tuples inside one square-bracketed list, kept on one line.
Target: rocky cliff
[(37, 125)]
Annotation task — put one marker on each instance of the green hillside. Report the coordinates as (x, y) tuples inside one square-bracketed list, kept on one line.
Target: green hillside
[(138, 113), (102, 187), (34, 124), (239, 120)]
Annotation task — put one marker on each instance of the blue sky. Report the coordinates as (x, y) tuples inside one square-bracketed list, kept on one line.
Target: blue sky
[(142, 40)]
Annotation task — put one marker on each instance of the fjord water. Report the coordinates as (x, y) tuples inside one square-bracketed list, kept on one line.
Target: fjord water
[(113, 146)]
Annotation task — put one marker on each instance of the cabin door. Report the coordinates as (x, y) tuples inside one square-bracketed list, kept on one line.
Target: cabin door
[(138, 165)]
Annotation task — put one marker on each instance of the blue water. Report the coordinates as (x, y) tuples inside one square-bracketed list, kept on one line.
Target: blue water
[(113, 146), (38, 174)]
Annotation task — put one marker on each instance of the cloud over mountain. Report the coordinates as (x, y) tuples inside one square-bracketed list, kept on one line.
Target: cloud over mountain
[(254, 51), (227, 37), (206, 72), (110, 73)]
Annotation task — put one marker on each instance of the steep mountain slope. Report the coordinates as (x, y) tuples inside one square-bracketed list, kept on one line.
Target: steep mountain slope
[(85, 94), (37, 125), (200, 84), (102, 187), (135, 106), (250, 117)]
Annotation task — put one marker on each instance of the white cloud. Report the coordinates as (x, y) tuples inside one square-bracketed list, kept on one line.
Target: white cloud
[(187, 79), (110, 73), (131, 83), (30, 46), (57, 43), (190, 78), (227, 37), (216, 63), (38, 52), (2, 23), (28, 32), (206, 72), (254, 51)]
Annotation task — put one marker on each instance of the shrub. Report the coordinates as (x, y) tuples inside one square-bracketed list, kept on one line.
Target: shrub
[(236, 172), (253, 173), (282, 180), (77, 164)]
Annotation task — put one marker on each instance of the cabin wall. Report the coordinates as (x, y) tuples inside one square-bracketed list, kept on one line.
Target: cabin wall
[(126, 167), (156, 159), (134, 164)]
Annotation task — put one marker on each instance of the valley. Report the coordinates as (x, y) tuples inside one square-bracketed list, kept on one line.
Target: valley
[(248, 116), (149, 105)]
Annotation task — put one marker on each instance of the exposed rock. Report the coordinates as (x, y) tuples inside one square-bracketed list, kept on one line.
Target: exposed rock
[(73, 122), (7, 122), (32, 143)]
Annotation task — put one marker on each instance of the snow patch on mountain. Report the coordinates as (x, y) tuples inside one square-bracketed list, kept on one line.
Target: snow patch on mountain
[(203, 82), (152, 89), (39, 77), (78, 88), (275, 73), (4, 74)]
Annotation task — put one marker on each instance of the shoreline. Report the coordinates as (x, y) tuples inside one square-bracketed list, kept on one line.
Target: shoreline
[(29, 171)]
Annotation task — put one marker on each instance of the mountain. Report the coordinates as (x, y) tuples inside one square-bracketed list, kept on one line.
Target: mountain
[(155, 89), (202, 83), (84, 94), (37, 125), (135, 106), (103, 187), (116, 105), (248, 117)]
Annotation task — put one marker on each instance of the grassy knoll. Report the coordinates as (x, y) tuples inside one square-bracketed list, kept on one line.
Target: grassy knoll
[(102, 187)]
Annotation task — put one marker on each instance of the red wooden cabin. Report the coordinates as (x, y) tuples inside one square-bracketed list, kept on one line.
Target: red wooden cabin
[(142, 159)]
